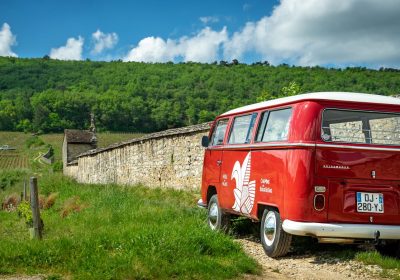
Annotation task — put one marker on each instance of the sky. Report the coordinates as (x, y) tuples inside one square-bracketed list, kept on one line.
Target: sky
[(332, 33)]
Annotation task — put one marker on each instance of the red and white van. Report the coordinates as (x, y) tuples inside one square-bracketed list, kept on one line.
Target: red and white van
[(324, 164)]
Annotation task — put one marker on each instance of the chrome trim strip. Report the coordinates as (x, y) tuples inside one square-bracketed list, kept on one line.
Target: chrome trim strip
[(357, 147), (261, 145), (331, 230)]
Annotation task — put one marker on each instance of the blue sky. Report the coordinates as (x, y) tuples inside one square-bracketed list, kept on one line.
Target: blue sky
[(301, 32)]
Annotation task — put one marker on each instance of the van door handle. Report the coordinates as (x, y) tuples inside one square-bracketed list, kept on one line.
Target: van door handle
[(219, 162)]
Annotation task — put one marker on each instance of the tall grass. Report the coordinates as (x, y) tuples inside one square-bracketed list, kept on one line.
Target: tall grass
[(121, 233)]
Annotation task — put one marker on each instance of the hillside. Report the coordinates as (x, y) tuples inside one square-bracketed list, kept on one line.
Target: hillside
[(49, 95)]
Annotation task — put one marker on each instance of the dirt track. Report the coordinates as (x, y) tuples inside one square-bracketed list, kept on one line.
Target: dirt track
[(307, 266)]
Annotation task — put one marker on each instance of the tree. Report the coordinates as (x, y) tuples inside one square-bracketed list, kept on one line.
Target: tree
[(292, 89)]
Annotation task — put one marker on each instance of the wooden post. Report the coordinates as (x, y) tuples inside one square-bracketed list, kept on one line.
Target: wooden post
[(24, 193), (37, 227)]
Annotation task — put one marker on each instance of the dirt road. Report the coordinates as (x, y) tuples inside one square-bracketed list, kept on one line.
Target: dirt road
[(307, 266)]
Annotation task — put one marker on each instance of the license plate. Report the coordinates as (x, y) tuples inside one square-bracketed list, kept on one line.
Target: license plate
[(369, 202)]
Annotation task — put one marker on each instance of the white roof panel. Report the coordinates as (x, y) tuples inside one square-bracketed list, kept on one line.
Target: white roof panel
[(336, 96)]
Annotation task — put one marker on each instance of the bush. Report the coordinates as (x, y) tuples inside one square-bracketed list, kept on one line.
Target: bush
[(58, 166), (24, 211), (9, 178), (34, 141)]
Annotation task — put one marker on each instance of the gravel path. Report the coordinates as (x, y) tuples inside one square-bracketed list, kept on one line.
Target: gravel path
[(307, 266)]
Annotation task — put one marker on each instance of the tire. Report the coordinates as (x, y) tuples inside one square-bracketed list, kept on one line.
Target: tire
[(275, 241), (216, 218), (389, 248)]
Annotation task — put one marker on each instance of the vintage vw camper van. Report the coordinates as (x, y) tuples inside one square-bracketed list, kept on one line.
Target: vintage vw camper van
[(324, 164)]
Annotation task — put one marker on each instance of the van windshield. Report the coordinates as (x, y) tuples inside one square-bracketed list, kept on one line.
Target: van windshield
[(360, 127)]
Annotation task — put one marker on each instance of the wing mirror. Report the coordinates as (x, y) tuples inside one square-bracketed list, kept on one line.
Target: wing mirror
[(205, 141)]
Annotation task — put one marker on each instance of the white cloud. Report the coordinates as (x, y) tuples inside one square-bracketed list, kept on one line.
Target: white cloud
[(7, 39), (103, 41), (310, 32), (209, 19), (202, 47), (71, 51)]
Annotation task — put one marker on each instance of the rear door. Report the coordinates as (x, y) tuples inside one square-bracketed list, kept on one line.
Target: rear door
[(360, 158)]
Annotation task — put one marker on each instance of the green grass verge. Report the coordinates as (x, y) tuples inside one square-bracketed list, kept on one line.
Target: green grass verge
[(390, 266), (120, 233)]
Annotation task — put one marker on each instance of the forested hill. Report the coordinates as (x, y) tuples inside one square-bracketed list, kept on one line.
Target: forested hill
[(49, 95)]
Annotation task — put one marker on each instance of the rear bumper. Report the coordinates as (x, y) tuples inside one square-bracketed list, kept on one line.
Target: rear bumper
[(201, 204), (361, 231)]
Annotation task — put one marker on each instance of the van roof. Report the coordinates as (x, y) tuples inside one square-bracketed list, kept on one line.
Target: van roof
[(336, 96)]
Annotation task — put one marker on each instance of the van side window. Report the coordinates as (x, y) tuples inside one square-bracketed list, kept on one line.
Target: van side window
[(217, 138), (242, 129), (274, 125)]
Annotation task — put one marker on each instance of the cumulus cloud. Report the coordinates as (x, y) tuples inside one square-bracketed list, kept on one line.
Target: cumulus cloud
[(209, 19), (103, 41), (310, 32), (71, 51), (202, 47), (7, 39)]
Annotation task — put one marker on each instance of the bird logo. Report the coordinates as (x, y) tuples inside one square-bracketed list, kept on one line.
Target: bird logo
[(245, 189)]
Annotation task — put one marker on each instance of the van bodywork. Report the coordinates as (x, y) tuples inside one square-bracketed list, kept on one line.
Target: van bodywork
[(311, 167)]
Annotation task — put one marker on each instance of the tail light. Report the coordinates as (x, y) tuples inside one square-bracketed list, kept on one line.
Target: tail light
[(319, 202)]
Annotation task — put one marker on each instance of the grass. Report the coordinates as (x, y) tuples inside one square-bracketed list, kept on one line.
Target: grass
[(390, 266), (120, 233)]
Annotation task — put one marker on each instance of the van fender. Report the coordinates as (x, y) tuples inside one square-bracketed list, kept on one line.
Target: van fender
[(261, 206)]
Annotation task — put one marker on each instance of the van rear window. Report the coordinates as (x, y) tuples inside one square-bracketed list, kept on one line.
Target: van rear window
[(360, 127)]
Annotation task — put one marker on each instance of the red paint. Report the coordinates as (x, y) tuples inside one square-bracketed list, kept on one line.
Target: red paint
[(286, 172)]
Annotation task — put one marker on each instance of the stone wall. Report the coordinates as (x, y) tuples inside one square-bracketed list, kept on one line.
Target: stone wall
[(171, 158)]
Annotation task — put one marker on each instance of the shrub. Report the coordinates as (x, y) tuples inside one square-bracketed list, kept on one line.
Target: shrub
[(73, 204), (10, 202), (10, 177), (34, 141), (24, 211), (58, 166), (50, 200)]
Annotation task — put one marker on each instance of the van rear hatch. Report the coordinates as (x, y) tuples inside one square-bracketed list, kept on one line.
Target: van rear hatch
[(360, 160)]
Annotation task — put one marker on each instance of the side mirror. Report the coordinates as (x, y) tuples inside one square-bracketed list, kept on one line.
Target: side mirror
[(205, 141)]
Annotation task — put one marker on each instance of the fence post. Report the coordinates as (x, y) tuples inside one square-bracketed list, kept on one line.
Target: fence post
[(37, 227), (24, 193)]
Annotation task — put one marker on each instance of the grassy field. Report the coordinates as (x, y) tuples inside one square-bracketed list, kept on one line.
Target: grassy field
[(119, 233)]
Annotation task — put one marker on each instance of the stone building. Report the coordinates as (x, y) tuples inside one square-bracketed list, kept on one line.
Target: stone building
[(75, 143)]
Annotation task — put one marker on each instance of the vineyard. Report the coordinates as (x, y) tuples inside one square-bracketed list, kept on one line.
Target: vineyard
[(11, 160), (25, 157)]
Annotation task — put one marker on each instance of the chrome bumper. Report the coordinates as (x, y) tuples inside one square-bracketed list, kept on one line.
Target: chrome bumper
[(361, 231), (201, 204)]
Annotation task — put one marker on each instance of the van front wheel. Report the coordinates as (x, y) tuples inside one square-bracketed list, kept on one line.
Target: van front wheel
[(275, 241), (216, 218)]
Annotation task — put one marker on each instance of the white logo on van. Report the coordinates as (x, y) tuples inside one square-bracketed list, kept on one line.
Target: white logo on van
[(245, 189)]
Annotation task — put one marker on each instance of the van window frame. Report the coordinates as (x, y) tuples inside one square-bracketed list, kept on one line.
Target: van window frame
[(254, 120), (354, 110), (266, 123), (214, 130)]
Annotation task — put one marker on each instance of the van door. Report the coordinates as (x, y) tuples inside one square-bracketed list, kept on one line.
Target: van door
[(238, 185), (361, 159), (213, 154)]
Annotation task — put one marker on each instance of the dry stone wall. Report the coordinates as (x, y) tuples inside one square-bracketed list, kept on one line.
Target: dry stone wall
[(171, 158)]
